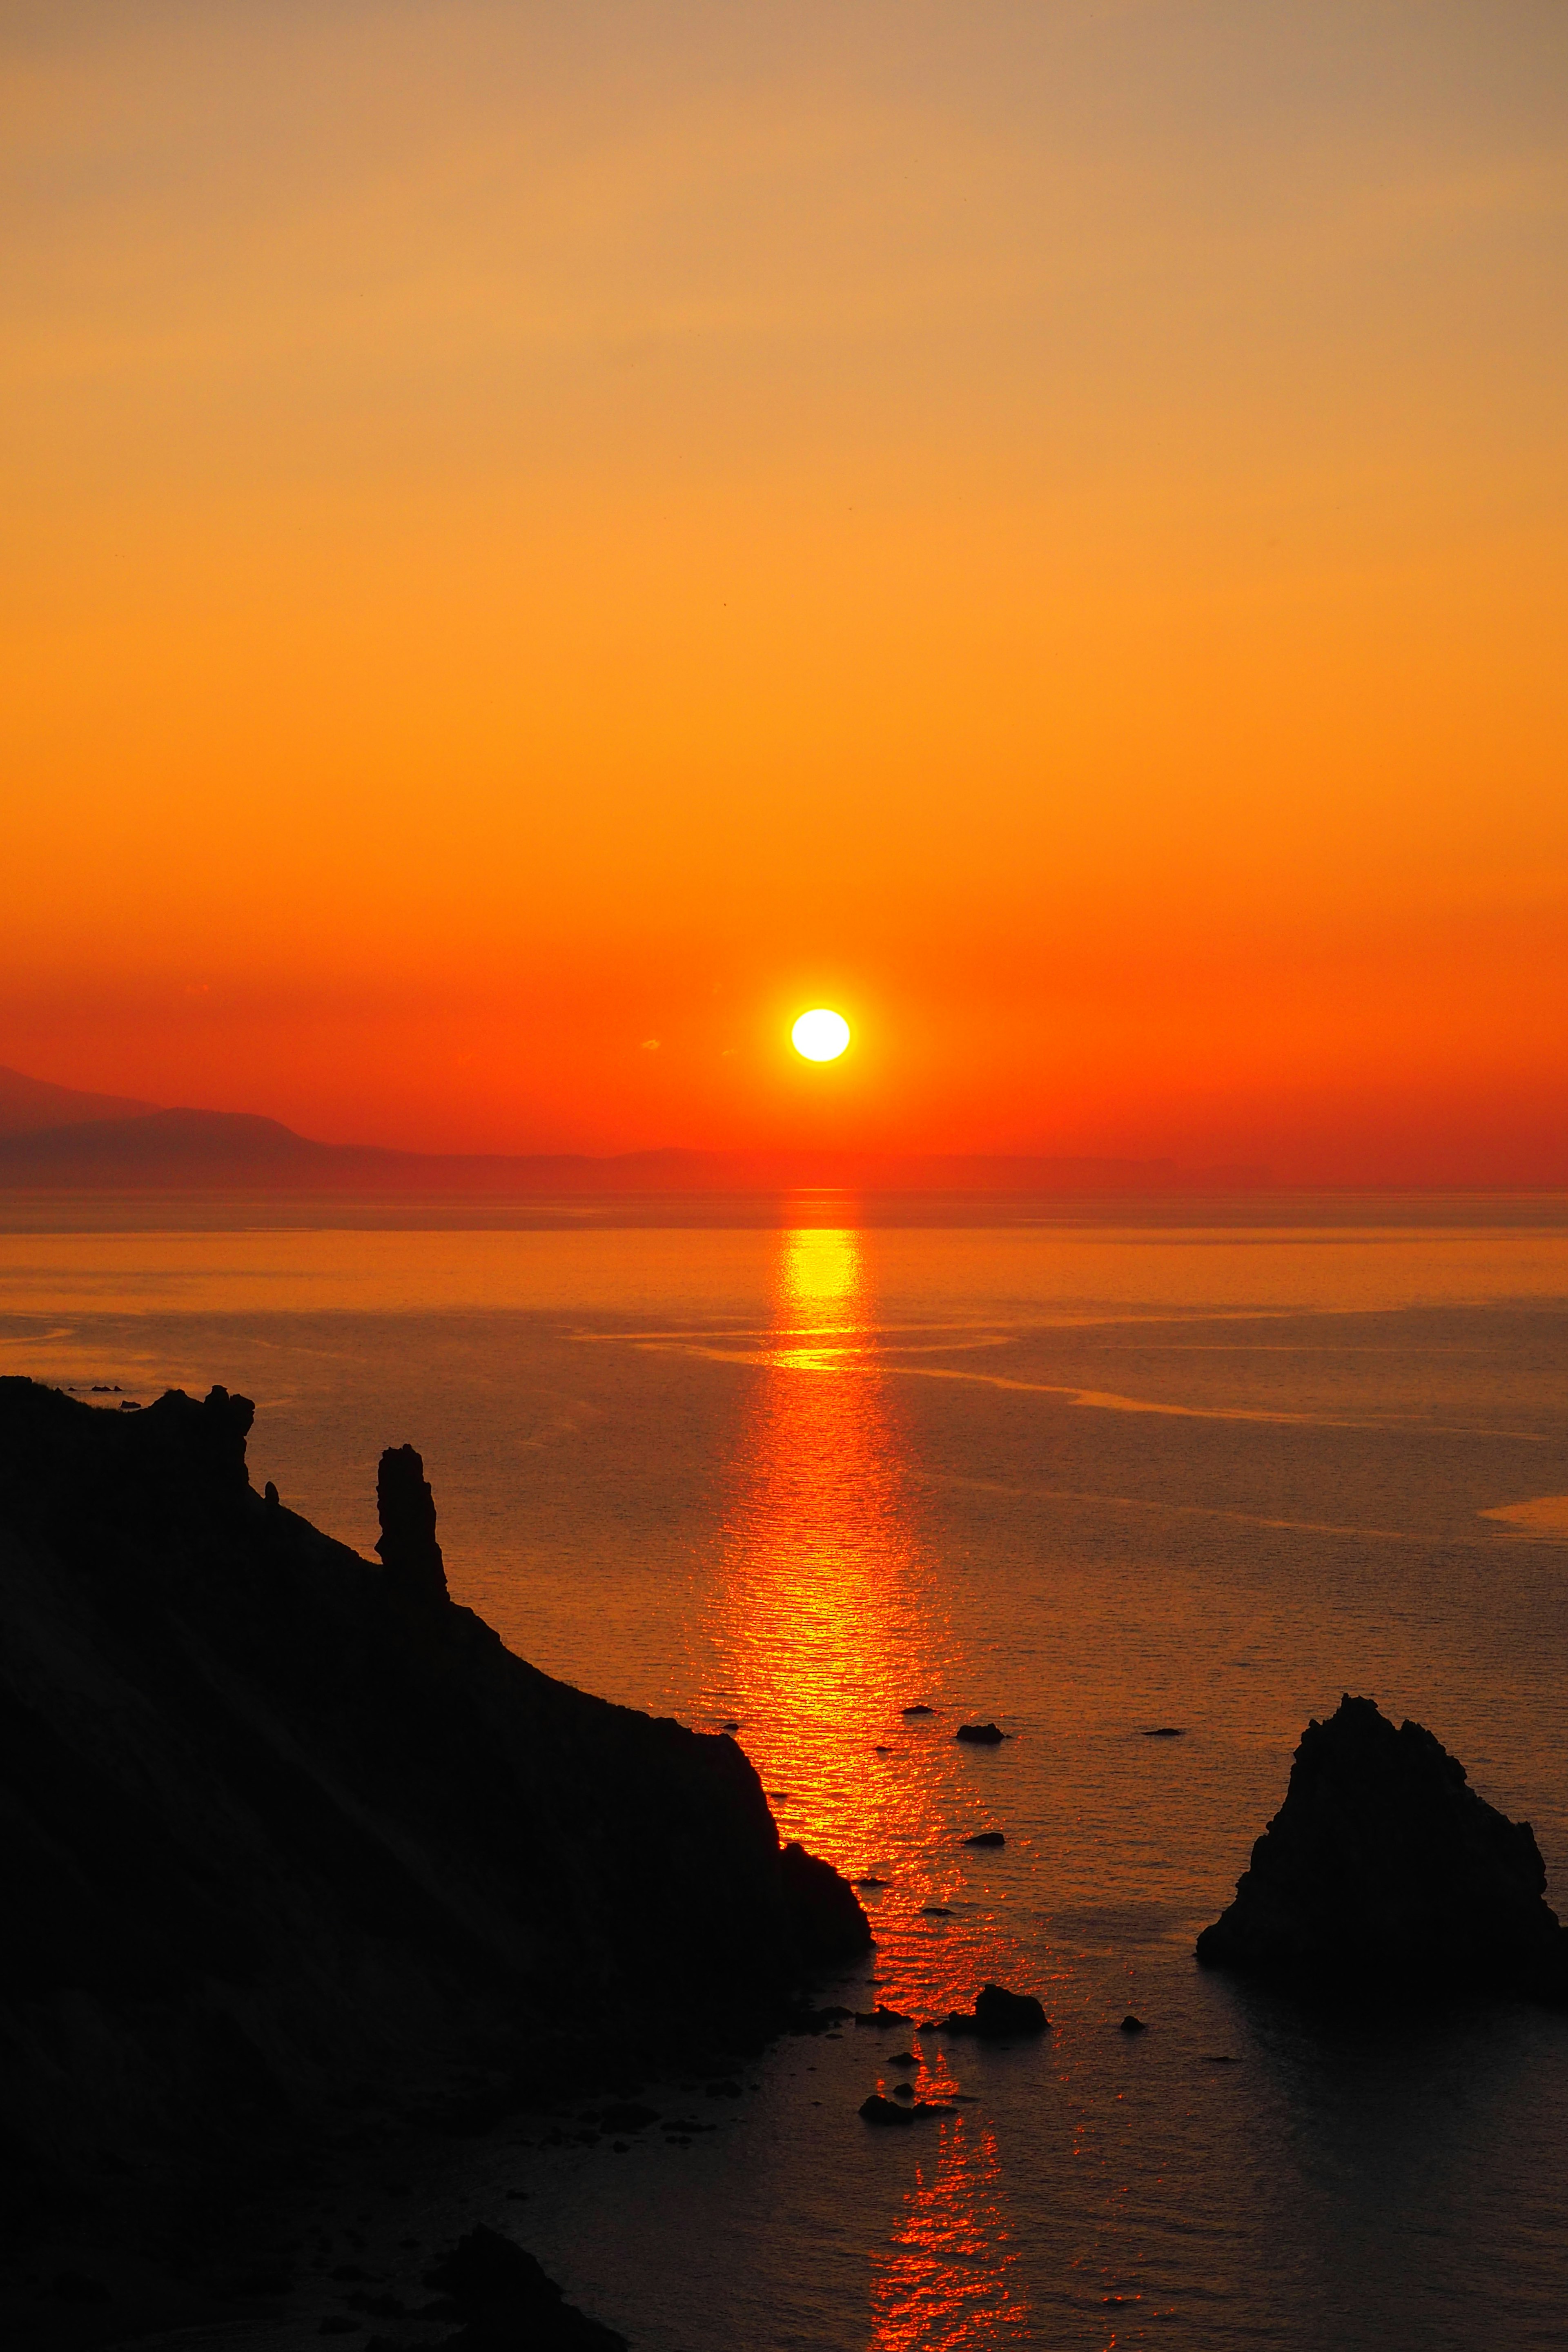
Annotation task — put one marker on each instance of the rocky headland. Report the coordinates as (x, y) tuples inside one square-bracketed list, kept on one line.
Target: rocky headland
[(289, 1833), (1384, 1874)]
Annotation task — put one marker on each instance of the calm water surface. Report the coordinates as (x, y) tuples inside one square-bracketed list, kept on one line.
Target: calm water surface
[(1087, 1484)]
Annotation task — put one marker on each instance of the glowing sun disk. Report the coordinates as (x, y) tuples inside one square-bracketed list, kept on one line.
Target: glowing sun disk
[(820, 1035)]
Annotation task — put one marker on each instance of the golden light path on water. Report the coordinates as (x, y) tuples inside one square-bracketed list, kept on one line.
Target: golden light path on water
[(826, 1626)]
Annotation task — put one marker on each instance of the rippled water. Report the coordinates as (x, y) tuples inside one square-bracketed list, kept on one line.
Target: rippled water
[(1086, 1483)]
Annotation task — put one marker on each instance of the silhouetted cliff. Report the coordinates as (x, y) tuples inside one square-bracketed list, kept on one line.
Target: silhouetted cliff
[(1383, 1872), (278, 1819)]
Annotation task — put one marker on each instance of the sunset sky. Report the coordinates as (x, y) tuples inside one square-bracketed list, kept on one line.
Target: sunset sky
[(534, 529)]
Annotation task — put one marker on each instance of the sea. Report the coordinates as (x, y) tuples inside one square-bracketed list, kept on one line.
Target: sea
[(846, 1475)]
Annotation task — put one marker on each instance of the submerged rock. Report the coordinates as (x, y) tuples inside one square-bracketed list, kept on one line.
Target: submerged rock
[(1383, 1872)]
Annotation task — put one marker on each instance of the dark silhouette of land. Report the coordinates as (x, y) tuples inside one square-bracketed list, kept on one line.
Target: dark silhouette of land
[(92, 1142), (1384, 1874), (28, 1106), (285, 1827)]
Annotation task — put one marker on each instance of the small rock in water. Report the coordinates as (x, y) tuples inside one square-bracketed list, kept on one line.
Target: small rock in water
[(903, 2058), (903, 2089), (1131, 2024), (985, 1837), (816, 2021), (999, 2015), (729, 1727), (919, 1710), (980, 1735), (936, 1911), (878, 2110), (1166, 1731)]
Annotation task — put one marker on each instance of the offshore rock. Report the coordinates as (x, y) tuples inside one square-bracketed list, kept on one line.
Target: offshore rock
[(406, 1508), (980, 1735), (999, 2015), (1383, 1872)]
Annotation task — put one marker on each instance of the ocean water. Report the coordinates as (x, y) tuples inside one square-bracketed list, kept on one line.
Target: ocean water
[(1089, 1482)]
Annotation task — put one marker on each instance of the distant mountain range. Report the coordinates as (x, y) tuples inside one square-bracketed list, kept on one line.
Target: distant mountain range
[(54, 1139), (29, 1106)]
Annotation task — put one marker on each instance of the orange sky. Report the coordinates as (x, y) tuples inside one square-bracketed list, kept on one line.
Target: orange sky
[(533, 529)]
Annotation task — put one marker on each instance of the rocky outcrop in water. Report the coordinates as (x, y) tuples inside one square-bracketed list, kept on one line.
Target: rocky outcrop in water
[(283, 1826), (1383, 1872), (999, 2015)]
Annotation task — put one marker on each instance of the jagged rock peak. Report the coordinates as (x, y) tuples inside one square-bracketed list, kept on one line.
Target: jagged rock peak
[(406, 1508), (1384, 1872)]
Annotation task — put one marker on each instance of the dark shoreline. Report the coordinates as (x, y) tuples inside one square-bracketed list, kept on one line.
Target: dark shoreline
[(309, 1869)]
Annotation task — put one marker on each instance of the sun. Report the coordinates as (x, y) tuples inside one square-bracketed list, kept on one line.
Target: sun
[(820, 1035)]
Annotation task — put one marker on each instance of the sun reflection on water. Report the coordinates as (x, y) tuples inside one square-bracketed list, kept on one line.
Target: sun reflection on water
[(825, 1624), (945, 2281), (823, 1615), (828, 1621)]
